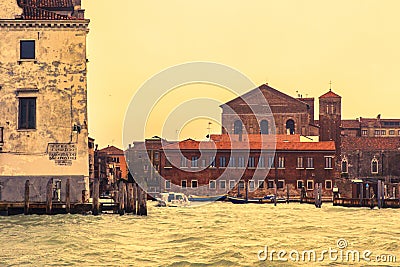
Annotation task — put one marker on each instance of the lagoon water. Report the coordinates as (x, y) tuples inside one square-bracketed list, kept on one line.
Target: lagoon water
[(218, 234)]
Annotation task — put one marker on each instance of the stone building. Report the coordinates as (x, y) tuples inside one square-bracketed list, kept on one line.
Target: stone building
[(43, 96)]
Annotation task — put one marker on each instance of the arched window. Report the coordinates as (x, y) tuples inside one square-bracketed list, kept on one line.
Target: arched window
[(374, 166), (290, 126), (344, 166), (237, 127), (264, 127)]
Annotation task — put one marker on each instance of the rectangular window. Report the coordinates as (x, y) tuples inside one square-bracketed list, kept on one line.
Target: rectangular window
[(261, 162), (271, 162), (260, 184), (27, 49), (364, 132), (300, 184), (310, 184), (377, 132), (222, 162), (145, 167), (383, 132), (183, 183), (195, 161), (281, 184), (212, 184), (183, 162), (167, 184), (391, 132), (156, 155), (398, 132), (27, 113), (251, 185), (241, 185), (310, 163), (328, 162), (241, 162), (270, 184), (251, 162), (222, 184), (212, 162), (232, 184), (231, 162), (281, 162), (374, 166), (194, 184), (300, 163), (328, 184), (203, 163)]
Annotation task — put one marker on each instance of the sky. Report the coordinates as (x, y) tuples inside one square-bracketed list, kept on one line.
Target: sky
[(297, 47)]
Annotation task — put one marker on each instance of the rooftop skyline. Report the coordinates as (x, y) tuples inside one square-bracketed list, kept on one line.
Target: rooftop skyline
[(297, 47)]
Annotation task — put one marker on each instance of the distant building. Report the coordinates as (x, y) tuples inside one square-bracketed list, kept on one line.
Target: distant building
[(110, 166), (43, 95), (258, 165)]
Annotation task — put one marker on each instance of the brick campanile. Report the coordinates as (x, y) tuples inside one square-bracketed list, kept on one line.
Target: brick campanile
[(330, 117)]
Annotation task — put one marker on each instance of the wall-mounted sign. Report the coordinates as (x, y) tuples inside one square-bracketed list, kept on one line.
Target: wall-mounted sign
[(62, 154)]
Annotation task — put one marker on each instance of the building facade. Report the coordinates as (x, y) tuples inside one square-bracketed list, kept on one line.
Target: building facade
[(43, 95), (225, 166)]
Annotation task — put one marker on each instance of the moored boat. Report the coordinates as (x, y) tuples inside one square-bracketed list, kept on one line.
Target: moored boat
[(172, 199), (207, 198), (264, 200)]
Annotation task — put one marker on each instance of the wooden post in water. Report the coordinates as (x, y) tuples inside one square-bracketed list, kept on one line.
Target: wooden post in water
[(383, 194), (142, 211), (361, 194), (275, 192), (95, 196), (26, 202), (121, 208), (67, 196), (379, 194), (49, 197), (134, 198), (129, 198), (287, 193), (246, 189)]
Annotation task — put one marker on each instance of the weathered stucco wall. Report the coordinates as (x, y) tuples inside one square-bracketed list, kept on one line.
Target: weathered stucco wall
[(57, 79), (9, 9)]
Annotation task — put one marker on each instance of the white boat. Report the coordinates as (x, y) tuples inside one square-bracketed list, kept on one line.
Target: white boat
[(172, 199)]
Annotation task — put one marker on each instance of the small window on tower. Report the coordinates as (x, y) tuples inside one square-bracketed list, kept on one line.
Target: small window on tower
[(27, 49)]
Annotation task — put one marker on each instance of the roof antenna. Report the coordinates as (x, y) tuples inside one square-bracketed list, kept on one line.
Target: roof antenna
[(330, 85)]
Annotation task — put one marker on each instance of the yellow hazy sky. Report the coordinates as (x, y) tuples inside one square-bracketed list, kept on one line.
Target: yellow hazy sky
[(291, 44)]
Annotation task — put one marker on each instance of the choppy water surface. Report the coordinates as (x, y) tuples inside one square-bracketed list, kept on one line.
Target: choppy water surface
[(219, 234)]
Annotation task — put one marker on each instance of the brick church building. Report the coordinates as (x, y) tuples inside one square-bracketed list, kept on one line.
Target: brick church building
[(270, 139)]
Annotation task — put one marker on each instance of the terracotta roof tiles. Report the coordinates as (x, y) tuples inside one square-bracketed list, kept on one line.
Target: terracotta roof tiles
[(330, 94), (351, 143)]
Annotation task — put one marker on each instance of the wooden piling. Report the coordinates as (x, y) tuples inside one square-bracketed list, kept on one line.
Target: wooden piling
[(379, 194), (121, 208), (287, 193), (26, 202), (67, 196), (49, 197), (361, 193), (129, 196), (142, 210), (275, 192), (95, 196), (134, 198)]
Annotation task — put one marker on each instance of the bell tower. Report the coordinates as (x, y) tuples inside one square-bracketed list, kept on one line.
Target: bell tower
[(330, 118)]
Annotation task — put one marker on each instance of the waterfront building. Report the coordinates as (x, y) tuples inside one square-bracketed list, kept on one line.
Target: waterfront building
[(43, 96)]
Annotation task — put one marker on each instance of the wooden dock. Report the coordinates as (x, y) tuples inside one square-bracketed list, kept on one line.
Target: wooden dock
[(130, 198), (370, 203)]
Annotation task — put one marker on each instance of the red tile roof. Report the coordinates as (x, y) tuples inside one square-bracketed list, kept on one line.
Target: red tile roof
[(46, 9), (330, 94), (353, 124), (190, 144), (112, 150), (351, 143)]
